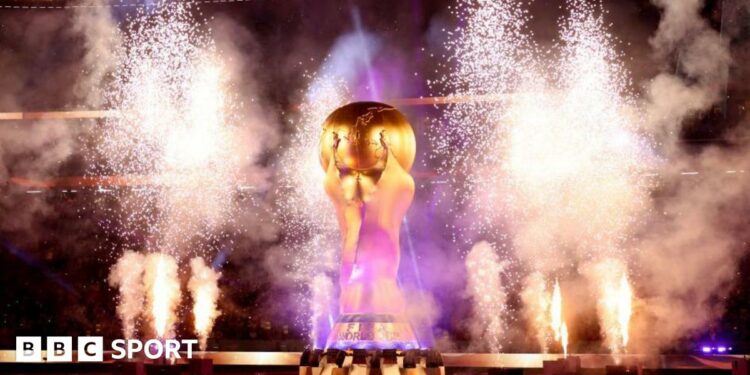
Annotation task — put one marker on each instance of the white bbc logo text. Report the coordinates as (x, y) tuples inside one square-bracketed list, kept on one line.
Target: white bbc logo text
[(59, 349), (28, 349), (91, 348)]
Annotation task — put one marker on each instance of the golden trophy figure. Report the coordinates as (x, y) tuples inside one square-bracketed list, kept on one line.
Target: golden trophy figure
[(367, 150)]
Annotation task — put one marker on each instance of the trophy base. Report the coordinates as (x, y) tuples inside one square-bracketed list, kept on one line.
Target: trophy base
[(372, 331)]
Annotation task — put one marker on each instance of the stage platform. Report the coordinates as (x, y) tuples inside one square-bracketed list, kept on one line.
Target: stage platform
[(455, 363)]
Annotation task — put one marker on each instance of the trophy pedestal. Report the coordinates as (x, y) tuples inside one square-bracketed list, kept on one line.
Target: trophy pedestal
[(372, 331)]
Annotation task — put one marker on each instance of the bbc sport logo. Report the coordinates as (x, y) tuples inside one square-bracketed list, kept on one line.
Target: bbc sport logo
[(91, 349)]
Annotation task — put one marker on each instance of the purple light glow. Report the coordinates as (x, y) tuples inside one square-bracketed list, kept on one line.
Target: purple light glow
[(706, 349), (345, 345), (721, 349)]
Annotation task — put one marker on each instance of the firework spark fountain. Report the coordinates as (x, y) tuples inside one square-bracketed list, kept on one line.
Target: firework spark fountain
[(176, 121), (624, 309), (544, 309), (556, 319), (561, 159), (615, 298), (488, 295), (127, 276), (575, 135), (163, 293), (204, 290), (489, 53)]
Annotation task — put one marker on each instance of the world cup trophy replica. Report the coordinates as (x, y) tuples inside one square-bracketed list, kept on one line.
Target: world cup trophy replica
[(367, 150)]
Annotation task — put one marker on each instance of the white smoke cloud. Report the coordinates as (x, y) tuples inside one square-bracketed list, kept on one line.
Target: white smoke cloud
[(688, 253), (687, 259), (695, 61), (204, 290), (127, 276)]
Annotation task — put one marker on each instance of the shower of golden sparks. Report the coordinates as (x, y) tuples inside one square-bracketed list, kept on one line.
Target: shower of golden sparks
[(564, 338), (175, 123)]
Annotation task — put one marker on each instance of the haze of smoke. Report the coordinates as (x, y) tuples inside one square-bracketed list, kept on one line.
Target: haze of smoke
[(489, 52), (204, 290), (702, 60), (31, 149), (488, 296), (100, 37), (600, 199), (351, 56), (688, 255), (163, 293), (127, 276), (584, 147)]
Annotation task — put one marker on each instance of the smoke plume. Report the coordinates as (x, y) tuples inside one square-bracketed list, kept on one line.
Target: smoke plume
[(695, 60), (127, 276), (204, 290), (688, 254)]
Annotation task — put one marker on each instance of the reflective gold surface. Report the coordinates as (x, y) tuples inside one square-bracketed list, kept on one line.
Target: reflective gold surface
[(362, 130), (367, 150)]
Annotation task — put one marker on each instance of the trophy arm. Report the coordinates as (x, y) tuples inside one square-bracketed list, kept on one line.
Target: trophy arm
[(348, 215)]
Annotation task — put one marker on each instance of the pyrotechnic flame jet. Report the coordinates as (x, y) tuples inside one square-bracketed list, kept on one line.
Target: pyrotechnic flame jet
[(204, 289), (556, 311), (624, 309), (164, 293)]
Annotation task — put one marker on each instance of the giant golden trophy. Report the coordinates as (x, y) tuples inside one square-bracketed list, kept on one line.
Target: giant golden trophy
[(367, 150)]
